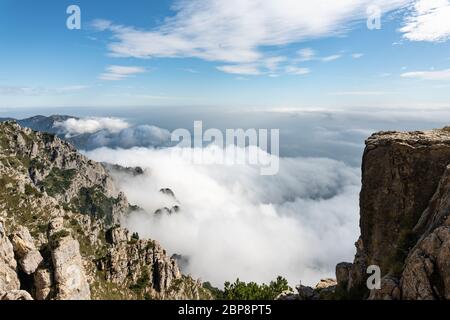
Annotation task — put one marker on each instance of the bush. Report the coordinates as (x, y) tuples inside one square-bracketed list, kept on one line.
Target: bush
[(252, 291)]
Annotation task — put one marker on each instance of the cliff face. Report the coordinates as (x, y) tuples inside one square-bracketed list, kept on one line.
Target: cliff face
[(60, 234), (404, 218)]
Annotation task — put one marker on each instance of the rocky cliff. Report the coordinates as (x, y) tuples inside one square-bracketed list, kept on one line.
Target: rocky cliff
[(404, 218), (60, 233)]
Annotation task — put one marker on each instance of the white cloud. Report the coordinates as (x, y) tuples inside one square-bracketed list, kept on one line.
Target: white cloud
[(357, 55), (235, 223), (251, 70), (40, 91), (297, 70), (428, 75), (235, 31), (331, 58), (306, 54), (359, 93), (90, 125), (115, 73), (428, 21)]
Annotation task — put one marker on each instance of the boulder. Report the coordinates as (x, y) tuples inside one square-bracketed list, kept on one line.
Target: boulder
[(15, 295), (8, 266), (28, 256)]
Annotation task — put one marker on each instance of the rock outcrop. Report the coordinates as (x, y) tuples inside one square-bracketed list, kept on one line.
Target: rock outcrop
[(28, 256), (60, 234), (9, 280), (404, 219)]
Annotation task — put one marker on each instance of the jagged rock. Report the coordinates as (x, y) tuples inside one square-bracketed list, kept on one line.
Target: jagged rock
[(55, 225), (168, 192), (143, 261), (343, 273), (427, 270), (404, 201), (120, 208), (306, 293), (392, 200), (390, 289), (29, 257), (181, 260), (287, 295), (325, 284), (82, 256), (8, 266), (70, 279), (117, 235), (15, 295), (134, 171), (43, 284)]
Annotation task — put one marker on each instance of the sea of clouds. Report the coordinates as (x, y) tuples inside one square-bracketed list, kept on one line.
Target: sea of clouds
[(235, 223)]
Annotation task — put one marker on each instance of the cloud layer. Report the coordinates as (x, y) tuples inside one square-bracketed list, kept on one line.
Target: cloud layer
[(235, 223), (92, 133)]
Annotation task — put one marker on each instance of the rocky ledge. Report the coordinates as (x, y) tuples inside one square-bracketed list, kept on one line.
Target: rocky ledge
[(404, 218)]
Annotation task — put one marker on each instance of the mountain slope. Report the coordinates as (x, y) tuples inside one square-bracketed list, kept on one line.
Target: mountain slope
[(60, 234)]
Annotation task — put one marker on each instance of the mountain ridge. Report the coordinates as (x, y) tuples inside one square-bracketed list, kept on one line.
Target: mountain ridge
[(60, 224)]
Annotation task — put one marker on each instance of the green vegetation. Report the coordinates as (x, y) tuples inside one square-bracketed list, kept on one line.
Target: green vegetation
[(57, 236), (249, 291), (58, 180), (93, 202), (31, 191), (141, 283), (134, 238)]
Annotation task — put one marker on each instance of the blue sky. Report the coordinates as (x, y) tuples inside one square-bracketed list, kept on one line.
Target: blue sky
[(255, 54)]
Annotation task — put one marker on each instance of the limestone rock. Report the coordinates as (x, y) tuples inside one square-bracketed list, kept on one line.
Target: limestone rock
[(8, 266), (404, 203), (15, 295), (426, 275), (43, 284), (29, 257), (390, 289), (343, 273), (326, 283), (70, 279)]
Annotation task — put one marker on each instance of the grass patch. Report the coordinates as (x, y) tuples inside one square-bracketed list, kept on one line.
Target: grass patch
[(58, 180), (93, 202)]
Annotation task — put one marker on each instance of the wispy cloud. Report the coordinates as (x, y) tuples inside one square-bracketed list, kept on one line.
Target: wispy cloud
[(39, 91), (236, 32), (297, 70), (306, 54), (115, 73), (357, 55), (429, 21), (358, 93), (190, 70), (428, 75), (331, 58), (243, 69)]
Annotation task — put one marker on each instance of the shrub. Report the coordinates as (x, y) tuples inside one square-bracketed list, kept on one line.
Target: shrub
[(252, 291)]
